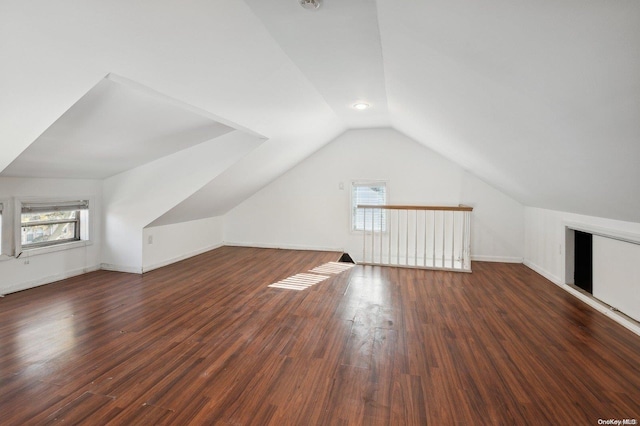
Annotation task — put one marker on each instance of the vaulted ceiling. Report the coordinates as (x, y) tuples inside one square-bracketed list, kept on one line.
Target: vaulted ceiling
[(541, 99)]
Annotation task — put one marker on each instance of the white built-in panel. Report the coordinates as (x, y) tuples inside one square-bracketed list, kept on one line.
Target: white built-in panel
[(616, 274)]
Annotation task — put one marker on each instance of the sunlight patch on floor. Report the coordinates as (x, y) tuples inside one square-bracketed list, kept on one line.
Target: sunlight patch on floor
[(303, 281)]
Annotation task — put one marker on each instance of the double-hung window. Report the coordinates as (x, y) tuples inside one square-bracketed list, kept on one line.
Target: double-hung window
[(44, 224), (371, 194)]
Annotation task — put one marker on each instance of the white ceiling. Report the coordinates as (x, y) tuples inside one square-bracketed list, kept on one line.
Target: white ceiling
[(338, 50), (113, 128), (540, 99)]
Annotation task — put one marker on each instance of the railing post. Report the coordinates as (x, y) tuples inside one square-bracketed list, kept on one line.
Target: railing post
[(364, 234), (382, 224), (373, 235), (415, 248), (389, 229), (469, 239), (444, 235), (406, 239), (453, 239), (398, 237), (433, 264), (463, 254), (424, 260)]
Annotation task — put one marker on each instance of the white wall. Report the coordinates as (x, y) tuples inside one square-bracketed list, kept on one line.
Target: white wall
[(137, 197), (497, 224), (166, 244), (33, 270), (305, 208)]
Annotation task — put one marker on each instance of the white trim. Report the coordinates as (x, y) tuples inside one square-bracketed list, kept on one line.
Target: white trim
[(628, 237), (179, 258), (37, 251), (500, 259), (283, 246), (34, 207), (591, 301), (548, 275), (51, 279), (120, 268), (603, 308)]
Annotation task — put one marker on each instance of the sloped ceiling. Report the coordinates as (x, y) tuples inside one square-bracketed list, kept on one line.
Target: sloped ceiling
[(540, 99), (113, 128)]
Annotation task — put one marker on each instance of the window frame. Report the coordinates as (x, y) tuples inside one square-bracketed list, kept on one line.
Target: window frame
[(82, 235), (353, 212), (76, 230)]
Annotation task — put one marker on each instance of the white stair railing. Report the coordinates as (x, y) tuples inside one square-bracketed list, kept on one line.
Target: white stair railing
[(429, 237)]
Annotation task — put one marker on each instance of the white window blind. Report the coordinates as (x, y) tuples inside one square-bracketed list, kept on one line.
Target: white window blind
[(55, 206), (369, 194)]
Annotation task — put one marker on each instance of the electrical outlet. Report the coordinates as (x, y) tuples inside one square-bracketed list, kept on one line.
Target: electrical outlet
[(150, 239), (341, 186)]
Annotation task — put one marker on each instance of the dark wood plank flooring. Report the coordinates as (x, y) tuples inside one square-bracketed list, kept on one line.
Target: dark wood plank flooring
[(205, 341)]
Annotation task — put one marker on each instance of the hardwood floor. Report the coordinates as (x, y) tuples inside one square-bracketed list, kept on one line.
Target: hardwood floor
[(205, 341)]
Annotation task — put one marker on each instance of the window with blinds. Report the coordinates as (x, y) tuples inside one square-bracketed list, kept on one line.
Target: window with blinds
[(371, 193), (47, 224)]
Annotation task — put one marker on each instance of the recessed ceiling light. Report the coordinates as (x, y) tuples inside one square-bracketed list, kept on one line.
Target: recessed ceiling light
[(361, 105), (310, 4)]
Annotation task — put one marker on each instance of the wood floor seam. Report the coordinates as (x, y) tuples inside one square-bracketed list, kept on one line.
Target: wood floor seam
[(205, 341)]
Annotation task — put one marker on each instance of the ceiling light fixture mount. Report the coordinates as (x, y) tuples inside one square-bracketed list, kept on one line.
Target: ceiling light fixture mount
[(310, 4), (361, 106)]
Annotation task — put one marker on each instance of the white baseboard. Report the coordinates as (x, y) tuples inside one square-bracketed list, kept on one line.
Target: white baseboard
[(120, 268), (594, 303), (283, 246), (179, 258), (50, 279), (501, 259), (604, 308), (543, 272)]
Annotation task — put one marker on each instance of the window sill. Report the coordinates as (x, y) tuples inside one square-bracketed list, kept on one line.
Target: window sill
[(4, 257), (36, 251)]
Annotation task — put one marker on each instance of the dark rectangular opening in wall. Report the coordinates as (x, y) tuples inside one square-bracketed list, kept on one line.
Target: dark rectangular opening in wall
[(583, 272)]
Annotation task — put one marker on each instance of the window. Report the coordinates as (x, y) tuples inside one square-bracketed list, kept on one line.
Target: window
[(47, 224), (370, 193)]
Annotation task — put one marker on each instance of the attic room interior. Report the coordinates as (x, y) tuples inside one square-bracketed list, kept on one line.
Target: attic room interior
[(179, 181)]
